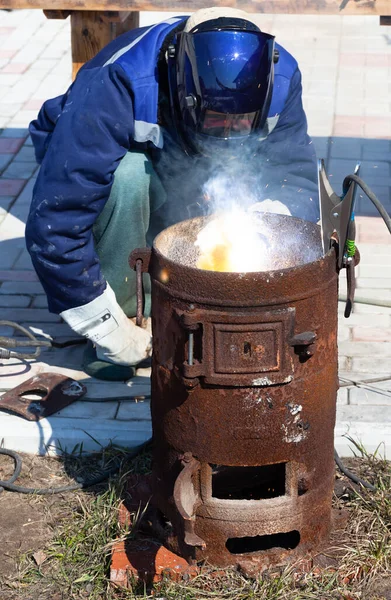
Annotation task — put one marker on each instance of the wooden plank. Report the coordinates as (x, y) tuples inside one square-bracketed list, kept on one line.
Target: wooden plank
[(89, 34), (353, 7), (92, 30)]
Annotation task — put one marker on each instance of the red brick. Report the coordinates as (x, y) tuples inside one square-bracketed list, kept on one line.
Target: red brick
[(33, 104), (15, 68), (348, 126), (372, 230), (10, 145), (147, 561), (350, 59), (7, 53), (363, 59), (371, 334), (11, 187)]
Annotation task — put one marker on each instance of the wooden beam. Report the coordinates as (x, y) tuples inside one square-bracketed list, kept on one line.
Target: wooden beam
[(90, 32), (57, 14), (318, 7)]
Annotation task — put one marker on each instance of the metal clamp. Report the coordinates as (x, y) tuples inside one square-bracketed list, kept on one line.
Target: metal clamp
[(139, 260)]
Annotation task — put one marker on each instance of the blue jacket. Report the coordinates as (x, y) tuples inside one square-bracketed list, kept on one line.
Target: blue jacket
[(111, 107)]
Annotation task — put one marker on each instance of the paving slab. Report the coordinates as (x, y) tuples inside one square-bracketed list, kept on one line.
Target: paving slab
[(346, 68)]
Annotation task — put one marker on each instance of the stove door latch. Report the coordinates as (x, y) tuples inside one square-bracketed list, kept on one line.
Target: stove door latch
[(187, 499), (303, 343)]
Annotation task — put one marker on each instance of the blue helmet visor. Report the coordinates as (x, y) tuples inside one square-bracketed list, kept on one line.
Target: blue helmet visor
[(230, 73)]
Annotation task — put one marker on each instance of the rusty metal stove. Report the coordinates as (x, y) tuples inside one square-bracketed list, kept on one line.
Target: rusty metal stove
[(244, 384)]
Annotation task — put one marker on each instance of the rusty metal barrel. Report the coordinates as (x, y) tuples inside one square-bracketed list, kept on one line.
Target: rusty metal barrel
[(244, 385)]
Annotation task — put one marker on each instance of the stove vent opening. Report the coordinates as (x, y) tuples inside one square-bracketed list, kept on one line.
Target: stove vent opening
[(248, 483), (260, 543)]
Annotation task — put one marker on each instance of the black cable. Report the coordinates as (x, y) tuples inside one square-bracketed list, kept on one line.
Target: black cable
[(6, 343), (373, 198), (349, 474), (9, 485)]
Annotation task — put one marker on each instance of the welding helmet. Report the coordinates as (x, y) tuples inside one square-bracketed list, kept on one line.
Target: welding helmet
[(221, 83)]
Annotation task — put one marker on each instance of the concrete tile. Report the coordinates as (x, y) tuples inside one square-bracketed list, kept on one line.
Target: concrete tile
[(134, 411), (370, 349), (24, 262), (135, 388), (364, 414), (40, 301), (370, 364), (25, 154), (371, 334), (20, 170), (375, 169), (25, 196), (9, 110), (346, 148), (365, 207), (19, 287), (23, 118), (8, 257), (357, 319), (29, 315), (5, 159), (55, 435), (377, 150), (369, 397), (9, 301), (50, 330), (14, 132), (366, 309), (344, 333), (5, 202), (378, 268), (370, 436), (342, 397), (89, 410), (8, 79), (372, 284)]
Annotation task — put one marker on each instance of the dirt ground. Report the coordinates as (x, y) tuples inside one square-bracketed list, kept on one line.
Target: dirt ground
[(29, 523)]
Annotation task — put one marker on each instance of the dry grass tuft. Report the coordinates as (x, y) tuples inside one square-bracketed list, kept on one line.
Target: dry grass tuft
[(77, 561)]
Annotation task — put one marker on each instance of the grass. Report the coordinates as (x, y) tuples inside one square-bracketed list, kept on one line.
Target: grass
[(77, 560)]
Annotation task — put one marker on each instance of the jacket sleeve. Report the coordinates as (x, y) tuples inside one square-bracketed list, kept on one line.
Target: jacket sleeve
[(42, 127), (289, 164), (90, 137)]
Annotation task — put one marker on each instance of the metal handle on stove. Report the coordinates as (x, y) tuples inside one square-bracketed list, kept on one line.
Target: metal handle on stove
[(139, 260)]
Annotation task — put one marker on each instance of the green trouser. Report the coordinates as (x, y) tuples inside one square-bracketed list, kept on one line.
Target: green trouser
[(123, 225)]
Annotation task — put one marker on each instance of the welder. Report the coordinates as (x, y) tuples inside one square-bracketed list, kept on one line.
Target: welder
[(124, 152)]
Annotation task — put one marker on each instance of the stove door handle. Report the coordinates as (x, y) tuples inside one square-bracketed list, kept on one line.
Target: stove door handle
[(302, 343)]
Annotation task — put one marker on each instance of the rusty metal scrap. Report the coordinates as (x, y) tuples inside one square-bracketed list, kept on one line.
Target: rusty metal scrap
[(54, 391)]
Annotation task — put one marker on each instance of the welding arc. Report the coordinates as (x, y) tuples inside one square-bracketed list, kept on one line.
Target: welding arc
[(351, 475), (373, 198), (10, 486)]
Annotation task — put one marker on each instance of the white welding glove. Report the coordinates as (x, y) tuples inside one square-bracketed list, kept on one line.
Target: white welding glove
[(117, 339), (271, 206)]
